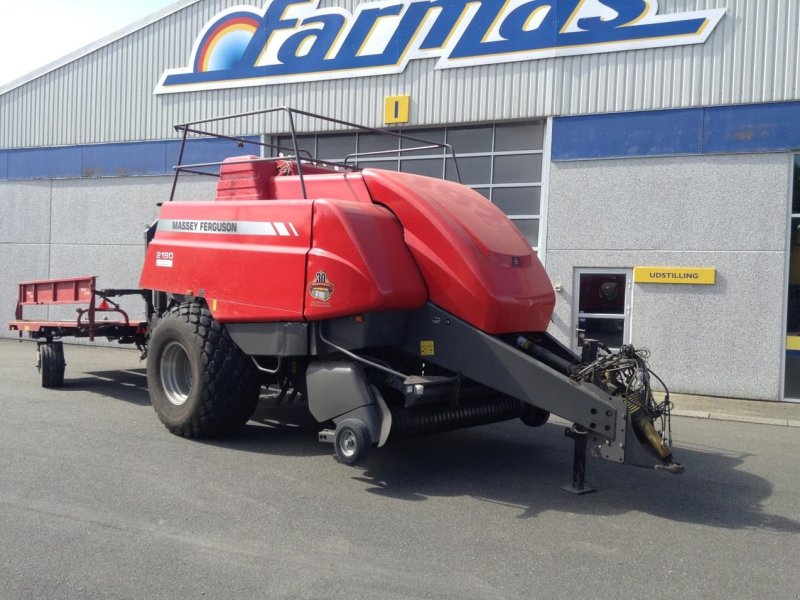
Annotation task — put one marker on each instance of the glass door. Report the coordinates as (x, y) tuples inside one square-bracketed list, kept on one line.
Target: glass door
[(792, 381), (602, 306)]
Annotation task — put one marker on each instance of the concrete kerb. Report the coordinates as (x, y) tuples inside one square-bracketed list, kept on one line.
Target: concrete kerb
[(781, 414), (695, 414)]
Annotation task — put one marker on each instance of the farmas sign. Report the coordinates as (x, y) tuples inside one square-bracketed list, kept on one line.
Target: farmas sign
[(291, 40)]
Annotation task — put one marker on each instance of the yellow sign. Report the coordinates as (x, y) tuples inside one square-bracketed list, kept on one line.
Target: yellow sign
[(426, 348), (793, 343), (681, 275), (396, 109)]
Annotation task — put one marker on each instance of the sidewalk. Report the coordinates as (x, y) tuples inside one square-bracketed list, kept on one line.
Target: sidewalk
[(784, 414)]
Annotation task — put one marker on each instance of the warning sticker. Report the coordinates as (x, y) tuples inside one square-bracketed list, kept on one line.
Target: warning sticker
[(426, 348)]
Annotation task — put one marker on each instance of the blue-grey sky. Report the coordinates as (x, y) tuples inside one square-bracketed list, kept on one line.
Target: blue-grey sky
[(34, 33)]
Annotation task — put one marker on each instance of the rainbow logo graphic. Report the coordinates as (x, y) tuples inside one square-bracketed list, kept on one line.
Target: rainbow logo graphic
[(222, 45)]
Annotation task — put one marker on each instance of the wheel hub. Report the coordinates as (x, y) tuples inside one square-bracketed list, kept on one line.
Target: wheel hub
[(348, 443), (176, 374)]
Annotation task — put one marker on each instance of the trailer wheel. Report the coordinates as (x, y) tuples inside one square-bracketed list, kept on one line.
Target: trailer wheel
[(351, 441), (533, 416), (201, 384), (50, 364)]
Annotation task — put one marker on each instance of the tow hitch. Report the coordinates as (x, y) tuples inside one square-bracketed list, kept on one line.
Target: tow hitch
[(626, 374)]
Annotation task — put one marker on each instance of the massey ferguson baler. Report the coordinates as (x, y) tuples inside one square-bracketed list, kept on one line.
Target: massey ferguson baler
[(394, 304)]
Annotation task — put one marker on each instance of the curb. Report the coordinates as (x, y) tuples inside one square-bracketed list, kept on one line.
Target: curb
[(695, 414)]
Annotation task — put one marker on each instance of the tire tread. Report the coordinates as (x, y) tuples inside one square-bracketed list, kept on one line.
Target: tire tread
[(229, 384)]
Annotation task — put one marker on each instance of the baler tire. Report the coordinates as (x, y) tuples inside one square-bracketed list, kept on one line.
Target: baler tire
[(201, 384), (51, 364), (533, 416), (351, 441)]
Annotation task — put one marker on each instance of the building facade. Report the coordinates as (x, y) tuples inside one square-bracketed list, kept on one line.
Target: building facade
[(646, 149)]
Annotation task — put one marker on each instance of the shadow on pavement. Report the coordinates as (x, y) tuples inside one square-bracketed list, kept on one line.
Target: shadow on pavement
[(129, 385), (505, 463), (497, 468), (280, 430)]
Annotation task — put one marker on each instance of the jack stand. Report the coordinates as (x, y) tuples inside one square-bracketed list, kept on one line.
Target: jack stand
[(579, 485)]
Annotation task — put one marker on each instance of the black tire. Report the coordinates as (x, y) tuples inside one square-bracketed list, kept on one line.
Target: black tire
[(533, 416), (351, 441), (51, 364), (201, 384)]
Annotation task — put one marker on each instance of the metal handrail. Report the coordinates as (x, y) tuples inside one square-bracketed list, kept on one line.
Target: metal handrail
[(297, 153)]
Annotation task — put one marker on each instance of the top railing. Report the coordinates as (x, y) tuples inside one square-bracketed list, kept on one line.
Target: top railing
[(296, 154)]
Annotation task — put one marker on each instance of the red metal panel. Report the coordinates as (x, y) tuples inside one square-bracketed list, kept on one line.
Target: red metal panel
[(242, 179), (475, 262), (343, 186), (252, 178), (72, 290), (253, 272), (359, 263)]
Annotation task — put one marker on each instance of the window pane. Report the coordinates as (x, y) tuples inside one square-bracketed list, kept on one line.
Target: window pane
[(466, 140), (602, 293), (330, 147), (793, 315), (529, 228), (796, 196), (482, 191), (431, 135), (608, 331), (518, 201), (474, 170), (519, 136), (525, 168), (375, 142), (431, 167), (304, 142)]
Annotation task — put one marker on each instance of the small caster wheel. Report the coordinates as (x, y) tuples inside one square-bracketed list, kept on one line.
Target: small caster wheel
[(351, 441), (533, 416), (51, 364)]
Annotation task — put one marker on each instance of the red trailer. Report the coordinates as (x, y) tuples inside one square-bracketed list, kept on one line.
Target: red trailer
[(93, 308)]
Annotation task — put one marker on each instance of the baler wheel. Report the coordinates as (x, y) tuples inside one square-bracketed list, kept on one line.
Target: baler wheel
[(351, 441), (533, 416), (201, 384), (51, 364)]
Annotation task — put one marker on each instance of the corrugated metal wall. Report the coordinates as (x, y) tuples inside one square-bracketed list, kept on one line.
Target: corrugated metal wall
[(107, 96)]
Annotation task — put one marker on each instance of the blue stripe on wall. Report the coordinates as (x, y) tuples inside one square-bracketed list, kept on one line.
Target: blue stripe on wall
[(628, 134), (759, 128), (716, 130), (114, 160), (122, 160), (36, 163), (206, 151)]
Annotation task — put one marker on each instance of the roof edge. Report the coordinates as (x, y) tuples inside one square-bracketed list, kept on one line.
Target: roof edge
[(96, 45)]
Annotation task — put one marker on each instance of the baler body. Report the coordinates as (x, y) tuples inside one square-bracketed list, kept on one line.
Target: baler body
[(370, 241)]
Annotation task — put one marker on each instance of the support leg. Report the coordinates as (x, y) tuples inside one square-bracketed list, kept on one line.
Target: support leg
[(579, 485)]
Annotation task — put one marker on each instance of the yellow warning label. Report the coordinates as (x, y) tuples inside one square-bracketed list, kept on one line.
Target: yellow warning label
[(426, 348), (793, 343), (680, 275), (396, 109)]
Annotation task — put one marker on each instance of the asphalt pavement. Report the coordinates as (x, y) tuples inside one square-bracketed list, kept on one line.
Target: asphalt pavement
[(98, 500)]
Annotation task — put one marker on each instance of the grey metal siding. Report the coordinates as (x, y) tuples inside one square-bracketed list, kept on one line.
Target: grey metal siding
[(107, 96)]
